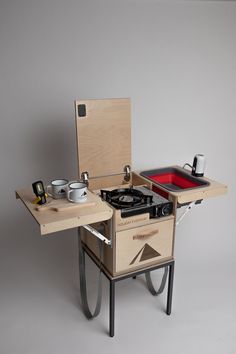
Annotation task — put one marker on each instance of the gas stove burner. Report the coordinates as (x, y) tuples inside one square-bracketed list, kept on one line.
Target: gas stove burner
[(126, 197), (137, 200)]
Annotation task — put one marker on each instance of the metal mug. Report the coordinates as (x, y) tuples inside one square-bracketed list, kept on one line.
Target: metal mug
[(57, 188), (77, 192)]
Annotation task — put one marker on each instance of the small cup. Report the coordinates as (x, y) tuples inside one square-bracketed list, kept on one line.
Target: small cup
[(77, 192), (57, 188)]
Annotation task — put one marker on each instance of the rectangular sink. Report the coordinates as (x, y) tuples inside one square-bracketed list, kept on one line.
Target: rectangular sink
[(174, 179)]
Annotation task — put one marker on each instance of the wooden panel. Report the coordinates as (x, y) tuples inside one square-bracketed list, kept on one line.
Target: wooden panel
[(131, 222), (138, 180), (52, 221), (114, 182), (136, 248), (63, 204), (103, 136), (92, 243), (106, 182)]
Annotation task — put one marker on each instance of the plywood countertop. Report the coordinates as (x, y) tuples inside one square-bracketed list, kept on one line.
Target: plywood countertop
[(215, 189), (58, 215)]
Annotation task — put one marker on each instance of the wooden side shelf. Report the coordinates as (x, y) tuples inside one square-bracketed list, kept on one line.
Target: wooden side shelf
[(214, 189), (61, 214)]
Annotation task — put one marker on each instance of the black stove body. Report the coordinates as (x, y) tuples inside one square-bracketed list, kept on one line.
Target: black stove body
[(138, 200)]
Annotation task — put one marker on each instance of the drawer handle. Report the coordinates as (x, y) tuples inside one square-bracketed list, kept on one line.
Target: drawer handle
[(144, 236)]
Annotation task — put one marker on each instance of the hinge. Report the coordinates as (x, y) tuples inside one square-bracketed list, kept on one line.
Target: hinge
[(126, 172), (85, 177)]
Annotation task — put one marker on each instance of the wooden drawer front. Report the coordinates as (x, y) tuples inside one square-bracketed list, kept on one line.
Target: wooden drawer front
[(143, 245)]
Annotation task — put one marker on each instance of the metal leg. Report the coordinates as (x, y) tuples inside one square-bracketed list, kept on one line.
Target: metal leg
[(112, 308), (83, 287), (150, 285), (170, 288)]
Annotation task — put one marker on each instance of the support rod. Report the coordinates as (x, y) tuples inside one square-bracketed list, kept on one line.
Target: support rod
[(97, 234)]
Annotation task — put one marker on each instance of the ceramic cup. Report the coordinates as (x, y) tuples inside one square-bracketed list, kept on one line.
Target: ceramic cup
[(57, 188), (77, 192)]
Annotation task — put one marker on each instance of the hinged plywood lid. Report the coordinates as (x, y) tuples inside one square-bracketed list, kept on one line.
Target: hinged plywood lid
[(103, 136)]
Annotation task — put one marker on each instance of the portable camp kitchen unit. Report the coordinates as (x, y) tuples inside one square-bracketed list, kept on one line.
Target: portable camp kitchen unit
[(127, 224)]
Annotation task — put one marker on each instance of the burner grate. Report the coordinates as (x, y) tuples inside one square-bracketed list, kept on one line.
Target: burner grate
[(126, 198), (137, 200)]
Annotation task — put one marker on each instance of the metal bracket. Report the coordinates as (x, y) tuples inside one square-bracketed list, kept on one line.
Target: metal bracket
[(97, 234), (85, 177), (187, 210), (127, 172)]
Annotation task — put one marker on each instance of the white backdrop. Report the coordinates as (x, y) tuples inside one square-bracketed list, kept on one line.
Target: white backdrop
[(175, 59)]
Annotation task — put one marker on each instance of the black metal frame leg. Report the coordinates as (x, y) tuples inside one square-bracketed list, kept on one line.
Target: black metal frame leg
[(170, 288), (112, 280), (112, 309)]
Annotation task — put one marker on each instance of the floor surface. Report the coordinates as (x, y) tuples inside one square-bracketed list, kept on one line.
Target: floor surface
[(41, 313)]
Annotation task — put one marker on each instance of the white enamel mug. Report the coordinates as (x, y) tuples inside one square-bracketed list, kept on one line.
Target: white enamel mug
[(77, 192), (57, 188)]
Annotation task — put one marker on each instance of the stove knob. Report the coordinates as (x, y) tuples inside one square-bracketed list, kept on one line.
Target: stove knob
[(166, 210)]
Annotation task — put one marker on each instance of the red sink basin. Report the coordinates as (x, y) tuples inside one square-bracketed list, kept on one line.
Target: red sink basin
[(174, 179)]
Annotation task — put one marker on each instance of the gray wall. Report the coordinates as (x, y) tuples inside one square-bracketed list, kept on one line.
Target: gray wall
[(175, 59)]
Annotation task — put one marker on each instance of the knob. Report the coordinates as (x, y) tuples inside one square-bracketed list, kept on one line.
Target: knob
[(166, 210)]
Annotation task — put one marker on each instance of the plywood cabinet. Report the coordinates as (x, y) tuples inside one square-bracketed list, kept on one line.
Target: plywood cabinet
[(136, 247), (144, 245)]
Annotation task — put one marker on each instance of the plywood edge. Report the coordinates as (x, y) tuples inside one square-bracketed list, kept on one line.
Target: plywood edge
[(20, 195), (82, 100), (208, 192), (70, 223), (137, 180)]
